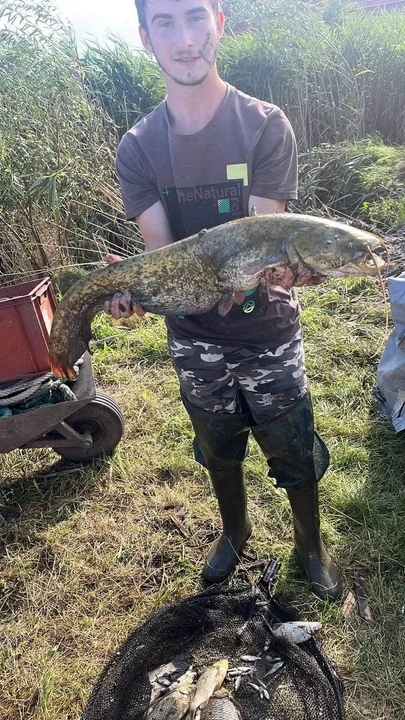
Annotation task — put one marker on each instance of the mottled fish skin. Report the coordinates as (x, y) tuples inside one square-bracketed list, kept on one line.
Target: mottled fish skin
[(220, 709), (191, 276), (173, 706), (209, 681)]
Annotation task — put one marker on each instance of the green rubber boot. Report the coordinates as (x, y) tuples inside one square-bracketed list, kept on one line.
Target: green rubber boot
[(297, 459), (224, 553), (222, 440), (320, 569)]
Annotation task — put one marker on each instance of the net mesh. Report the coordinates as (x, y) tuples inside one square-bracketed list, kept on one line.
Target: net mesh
[(216, 624)]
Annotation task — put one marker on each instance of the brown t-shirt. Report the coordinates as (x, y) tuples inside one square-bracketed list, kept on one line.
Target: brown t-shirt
[(205, 179)]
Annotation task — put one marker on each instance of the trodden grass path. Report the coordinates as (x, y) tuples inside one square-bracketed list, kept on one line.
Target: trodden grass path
[(99, 547)]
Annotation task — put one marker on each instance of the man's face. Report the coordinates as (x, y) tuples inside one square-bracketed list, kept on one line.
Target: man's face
[(184, 36)]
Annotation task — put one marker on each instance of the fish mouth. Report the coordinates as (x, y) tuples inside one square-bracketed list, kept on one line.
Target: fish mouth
[(63, 371), (368, 263), (371, 263)]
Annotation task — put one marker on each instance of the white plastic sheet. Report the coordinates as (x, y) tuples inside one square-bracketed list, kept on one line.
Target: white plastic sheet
[(391, 368)]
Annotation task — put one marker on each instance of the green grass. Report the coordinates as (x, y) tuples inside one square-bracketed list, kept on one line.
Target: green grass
[(99, 547)]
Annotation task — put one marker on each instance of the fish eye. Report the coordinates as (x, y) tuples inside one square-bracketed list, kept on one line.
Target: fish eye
[(337, 236), (329, 242), (350, 246)]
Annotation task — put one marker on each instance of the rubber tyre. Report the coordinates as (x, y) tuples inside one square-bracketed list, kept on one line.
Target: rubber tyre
[(103, 418)]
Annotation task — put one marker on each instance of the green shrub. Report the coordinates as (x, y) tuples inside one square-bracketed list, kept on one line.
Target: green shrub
[(363, 178)]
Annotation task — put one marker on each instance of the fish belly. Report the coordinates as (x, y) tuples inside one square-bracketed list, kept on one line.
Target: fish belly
[(220, 709)]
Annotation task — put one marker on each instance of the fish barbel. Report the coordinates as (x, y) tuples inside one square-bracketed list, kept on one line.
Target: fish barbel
[(193, 275)]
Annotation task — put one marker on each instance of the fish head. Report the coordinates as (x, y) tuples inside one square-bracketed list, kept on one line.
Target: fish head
[(335, 249), (222, 665)]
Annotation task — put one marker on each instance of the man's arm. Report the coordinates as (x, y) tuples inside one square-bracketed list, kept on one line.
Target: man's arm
[(156, 232), (266, 206), (154, 227)]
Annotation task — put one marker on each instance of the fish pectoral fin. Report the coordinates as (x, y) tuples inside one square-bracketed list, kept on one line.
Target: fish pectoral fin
[(295, 260), (224, 306)]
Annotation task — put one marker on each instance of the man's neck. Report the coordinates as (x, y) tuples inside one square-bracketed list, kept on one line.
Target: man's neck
[(192, 107)]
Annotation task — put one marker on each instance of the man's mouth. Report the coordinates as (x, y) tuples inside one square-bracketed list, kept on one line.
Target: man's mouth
[(187, 60)]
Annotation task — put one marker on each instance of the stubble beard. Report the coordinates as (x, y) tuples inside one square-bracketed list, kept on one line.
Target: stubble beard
[(184, 83)]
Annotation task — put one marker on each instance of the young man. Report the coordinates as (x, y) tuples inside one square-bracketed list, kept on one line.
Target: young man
[(204, 156)]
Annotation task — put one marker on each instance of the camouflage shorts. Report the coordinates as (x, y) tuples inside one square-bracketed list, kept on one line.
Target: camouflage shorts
[(226, 379)]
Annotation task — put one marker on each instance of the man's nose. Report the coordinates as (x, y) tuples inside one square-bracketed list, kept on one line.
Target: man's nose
[(184, 36)]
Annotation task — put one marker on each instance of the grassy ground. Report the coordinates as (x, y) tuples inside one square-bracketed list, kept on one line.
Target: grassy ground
[(97, 548)]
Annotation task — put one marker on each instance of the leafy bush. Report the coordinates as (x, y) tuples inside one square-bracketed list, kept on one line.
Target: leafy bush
[(364, 179)]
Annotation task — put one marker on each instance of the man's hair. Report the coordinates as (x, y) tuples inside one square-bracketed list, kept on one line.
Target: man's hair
[(141, 7)]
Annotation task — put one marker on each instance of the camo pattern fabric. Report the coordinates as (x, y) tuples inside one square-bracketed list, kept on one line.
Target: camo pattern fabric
[(212, 377)]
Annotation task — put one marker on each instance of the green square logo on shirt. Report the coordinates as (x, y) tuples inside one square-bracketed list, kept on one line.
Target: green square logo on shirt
[(224, 206)]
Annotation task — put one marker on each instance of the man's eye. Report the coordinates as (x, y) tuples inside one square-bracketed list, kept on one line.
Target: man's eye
[(165, 24), (196, 18)]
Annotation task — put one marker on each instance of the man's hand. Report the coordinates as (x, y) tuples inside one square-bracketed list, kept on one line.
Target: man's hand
[(121, 305), (286, 277)]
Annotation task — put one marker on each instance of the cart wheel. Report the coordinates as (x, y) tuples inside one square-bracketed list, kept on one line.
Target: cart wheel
[(103, 419)]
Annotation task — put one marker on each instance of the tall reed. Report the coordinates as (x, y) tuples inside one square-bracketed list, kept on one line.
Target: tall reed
[(337, 72)]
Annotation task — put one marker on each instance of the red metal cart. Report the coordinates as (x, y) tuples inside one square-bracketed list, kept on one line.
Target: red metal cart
[(78, 430)]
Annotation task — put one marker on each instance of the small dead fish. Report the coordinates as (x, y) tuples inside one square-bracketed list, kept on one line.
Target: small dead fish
[(173, 706), (296, 632), (168, 669), (263, 693), (243, 670), (209, 681), (188, 677), (220, 708), (164, 681), (259, 682), (237, 682), (250, 658), (273, 669)]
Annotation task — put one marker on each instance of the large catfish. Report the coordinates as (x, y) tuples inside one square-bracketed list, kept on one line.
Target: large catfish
[(195, 274)]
